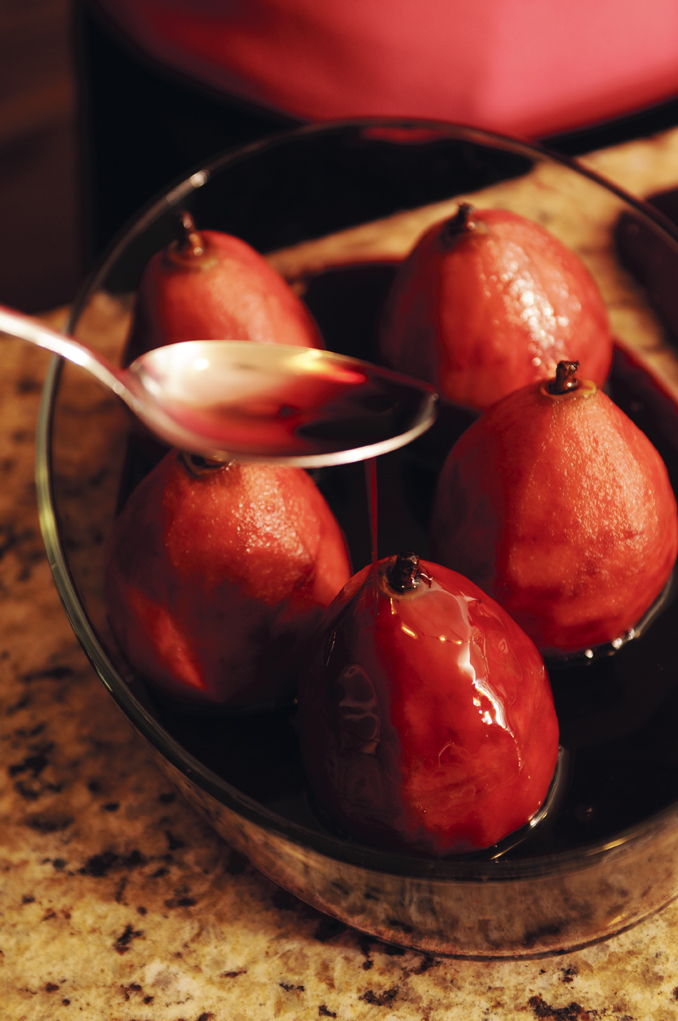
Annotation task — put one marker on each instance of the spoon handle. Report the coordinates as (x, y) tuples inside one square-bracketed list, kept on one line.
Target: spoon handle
[(26, 328)]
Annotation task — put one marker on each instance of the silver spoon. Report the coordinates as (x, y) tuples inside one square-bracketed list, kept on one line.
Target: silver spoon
[(255, 402)]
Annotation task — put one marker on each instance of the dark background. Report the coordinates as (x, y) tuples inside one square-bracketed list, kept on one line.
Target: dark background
[(90, 130), (39, 247)]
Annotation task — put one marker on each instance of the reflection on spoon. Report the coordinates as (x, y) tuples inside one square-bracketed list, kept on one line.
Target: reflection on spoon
[(255, 402)]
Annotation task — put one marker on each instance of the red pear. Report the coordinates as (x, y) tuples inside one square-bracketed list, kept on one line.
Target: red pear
[(559, 507), (207, 285), (216, 574), (426, 719), (489, 301)]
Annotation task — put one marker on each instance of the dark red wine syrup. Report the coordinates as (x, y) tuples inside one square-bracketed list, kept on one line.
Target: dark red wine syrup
[(372, 518), (618, 715)]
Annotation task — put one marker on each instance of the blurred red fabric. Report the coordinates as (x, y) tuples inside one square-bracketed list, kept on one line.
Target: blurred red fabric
[(522, 67)]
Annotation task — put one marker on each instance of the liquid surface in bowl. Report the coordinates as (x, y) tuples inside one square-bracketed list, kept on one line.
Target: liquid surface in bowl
[(618, 714), (349, 201)]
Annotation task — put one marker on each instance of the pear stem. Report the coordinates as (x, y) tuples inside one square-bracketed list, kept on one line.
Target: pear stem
[(188, 240), (565, 380), (196, 465), (460, 224), (403, 573)]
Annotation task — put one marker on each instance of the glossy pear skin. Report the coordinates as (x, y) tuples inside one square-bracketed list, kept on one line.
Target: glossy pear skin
[(483, 309), (426, 721), (227, 292), (214, 580), (561, 509)]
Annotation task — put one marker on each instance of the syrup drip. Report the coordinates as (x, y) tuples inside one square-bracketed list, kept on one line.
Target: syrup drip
[(372, 511)]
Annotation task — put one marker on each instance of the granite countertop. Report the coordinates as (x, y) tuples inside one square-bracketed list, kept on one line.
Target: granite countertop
[(118, 902)]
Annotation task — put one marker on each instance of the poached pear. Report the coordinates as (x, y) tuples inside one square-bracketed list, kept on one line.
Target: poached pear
[(561, 509), (215, 575), (207, 285), (426, 718), (489, 301)]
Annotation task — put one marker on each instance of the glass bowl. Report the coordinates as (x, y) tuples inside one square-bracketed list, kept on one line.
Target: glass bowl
[(336, 207)]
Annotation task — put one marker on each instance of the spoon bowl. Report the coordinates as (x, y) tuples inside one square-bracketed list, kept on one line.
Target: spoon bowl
[(236, 400)]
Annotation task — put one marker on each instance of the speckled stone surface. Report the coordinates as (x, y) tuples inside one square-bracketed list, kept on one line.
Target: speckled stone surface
[(117, 902)]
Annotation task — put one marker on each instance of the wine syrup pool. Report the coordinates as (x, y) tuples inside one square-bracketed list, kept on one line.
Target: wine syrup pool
[(373, 518), (618, 715), (334, 185)]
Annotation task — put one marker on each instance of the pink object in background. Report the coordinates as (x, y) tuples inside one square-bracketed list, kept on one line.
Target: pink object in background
[(523, 67)]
